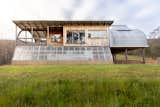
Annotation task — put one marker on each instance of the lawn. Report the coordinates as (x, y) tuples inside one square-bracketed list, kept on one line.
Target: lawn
[(132, 57), (80, 86)]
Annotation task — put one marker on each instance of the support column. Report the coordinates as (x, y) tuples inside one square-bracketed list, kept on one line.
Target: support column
[(126, 55), (16, 34), (32, 34), (47, 35), (64, 36), (108, 36), (25, 36), (114, 58), (143, 55)]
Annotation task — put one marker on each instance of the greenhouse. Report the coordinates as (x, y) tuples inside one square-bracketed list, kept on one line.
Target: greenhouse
[(93, 42)]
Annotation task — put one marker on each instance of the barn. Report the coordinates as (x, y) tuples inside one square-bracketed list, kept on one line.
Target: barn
[(73, 42)]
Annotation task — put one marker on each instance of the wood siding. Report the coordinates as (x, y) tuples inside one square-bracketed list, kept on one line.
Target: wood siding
[(89, 42), (53, 31)]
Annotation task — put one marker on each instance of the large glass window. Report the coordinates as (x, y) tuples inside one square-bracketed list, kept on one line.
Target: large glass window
[(97, 34), (75, 37)]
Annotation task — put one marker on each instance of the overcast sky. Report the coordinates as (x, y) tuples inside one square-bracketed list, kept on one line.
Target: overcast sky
[(141, 14)]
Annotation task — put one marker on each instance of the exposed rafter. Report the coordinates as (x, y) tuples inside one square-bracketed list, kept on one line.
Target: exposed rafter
[(46, 23)]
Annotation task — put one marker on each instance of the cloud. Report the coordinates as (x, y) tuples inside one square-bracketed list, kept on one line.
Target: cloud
[(70, 10), (141, 14)]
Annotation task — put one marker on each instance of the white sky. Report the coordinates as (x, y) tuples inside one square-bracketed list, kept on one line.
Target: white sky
[(141, 14)]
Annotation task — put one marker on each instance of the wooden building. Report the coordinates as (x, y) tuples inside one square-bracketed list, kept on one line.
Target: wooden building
[(51, 42)]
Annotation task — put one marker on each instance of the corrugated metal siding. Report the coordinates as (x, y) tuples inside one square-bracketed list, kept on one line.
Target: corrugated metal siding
[(125, 37)]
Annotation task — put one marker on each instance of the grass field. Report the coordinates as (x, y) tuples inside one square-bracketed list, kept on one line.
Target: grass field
[(80, 86), (148, 60)]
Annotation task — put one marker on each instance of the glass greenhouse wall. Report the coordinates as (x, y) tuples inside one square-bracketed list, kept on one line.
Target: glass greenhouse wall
[(62, 53)]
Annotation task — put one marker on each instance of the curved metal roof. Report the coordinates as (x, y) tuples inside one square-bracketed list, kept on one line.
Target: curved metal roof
[(122, 36)]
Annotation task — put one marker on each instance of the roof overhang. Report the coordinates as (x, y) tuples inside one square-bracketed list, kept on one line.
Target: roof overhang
[(43, 24)]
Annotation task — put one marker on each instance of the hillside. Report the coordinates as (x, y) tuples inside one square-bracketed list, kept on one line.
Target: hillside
[(154, 49), (155, 34), (6, 51)]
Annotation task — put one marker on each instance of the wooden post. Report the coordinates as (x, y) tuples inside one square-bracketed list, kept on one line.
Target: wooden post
[(47, 35), (25, 36), (32, 34), (115, 58), (16, 34), (143, 55), (108, 36), (126, 55)]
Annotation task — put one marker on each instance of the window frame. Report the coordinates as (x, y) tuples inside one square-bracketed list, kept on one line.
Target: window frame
[(81, 38), (96, 37)]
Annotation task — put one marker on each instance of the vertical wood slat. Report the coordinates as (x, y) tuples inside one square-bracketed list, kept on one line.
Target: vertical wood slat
[(113, 55), (89, 42), (32, 34), (126, 55), (114, 58), (143, 55), (25, 36), (47, 35), (16, 34)]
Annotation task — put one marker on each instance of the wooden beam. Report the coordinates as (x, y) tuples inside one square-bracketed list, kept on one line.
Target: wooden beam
[(26, 36), (21, 26), (45, 30), (114, 58), (143, 55), (35, 33), (126, 55), (19, 33), (32, 33), (47, 34), (35, 29), (16, 34)]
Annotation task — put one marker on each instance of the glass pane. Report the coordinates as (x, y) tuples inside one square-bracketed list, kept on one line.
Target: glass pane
[(61, 53), (75, 37), (97, 34), (56, 38)]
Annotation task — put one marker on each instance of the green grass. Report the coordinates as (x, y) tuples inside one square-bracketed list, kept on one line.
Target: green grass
[(80, 86), (131, 57)]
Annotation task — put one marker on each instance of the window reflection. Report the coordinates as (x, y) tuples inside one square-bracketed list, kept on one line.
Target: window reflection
[(97, 34), (75, 37), (56, 38)]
